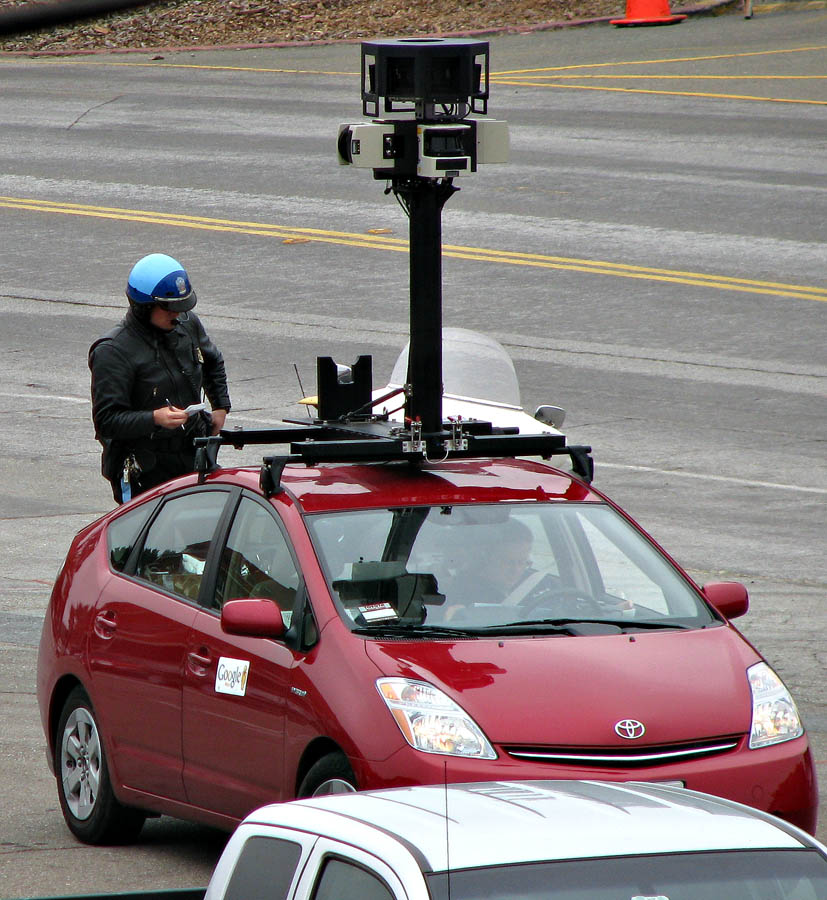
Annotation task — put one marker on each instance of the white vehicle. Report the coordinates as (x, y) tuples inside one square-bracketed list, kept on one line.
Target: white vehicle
[(572, 840), (479, 382)]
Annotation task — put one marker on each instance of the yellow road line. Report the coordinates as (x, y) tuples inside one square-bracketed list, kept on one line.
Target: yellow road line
[(655, 77), (657, 62), (156, 64), (378, 242), (506, 77), (705, 94), (85, 61)]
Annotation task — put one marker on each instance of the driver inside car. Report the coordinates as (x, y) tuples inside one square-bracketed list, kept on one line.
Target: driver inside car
[(501, 564)]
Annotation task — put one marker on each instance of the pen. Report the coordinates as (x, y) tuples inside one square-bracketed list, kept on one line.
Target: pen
[(170, 406)]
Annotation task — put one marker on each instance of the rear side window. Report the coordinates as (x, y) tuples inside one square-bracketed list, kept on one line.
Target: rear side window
[(264, 870), (175, 550), (123, 532), (342, 880)]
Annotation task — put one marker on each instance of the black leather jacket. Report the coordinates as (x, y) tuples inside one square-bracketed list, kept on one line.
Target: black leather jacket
[(137, 368)]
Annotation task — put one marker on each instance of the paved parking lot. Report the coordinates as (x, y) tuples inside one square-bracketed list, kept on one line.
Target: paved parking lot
[(652, 257)]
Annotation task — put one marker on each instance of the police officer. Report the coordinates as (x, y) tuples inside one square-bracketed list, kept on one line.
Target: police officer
[(146, 372)]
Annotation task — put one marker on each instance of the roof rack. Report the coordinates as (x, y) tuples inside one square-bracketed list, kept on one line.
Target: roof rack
[(360, 435)]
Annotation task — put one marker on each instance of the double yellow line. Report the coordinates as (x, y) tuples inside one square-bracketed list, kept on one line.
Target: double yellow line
[(287, 234), (561, 76)]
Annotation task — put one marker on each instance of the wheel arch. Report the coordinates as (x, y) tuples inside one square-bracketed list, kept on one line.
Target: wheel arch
[(313, 752)]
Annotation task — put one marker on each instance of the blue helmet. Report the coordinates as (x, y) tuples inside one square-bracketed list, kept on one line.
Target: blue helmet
[(159, 278)]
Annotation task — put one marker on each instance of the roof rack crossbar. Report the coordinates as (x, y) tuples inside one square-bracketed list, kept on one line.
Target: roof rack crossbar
[(376, 442)]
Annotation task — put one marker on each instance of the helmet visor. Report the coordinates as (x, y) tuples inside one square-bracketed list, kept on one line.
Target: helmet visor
[(182, 304)]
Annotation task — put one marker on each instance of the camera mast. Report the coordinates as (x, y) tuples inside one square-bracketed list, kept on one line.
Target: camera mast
[(420, 94), (426, 89)]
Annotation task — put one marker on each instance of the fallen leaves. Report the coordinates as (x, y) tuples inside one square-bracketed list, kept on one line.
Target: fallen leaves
[(186, 23)]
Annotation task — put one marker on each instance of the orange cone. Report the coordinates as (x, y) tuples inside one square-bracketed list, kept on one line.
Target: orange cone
[(648, 12)]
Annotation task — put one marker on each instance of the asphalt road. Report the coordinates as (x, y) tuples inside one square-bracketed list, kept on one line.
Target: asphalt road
[(653, 257)]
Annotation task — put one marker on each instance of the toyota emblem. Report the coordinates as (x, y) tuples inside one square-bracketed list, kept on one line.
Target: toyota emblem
[(629, 729)]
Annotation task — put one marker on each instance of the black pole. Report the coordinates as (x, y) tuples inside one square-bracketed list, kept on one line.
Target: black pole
[(424, 198)]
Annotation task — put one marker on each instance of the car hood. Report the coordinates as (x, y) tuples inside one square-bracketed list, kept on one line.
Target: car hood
[(682, 685)]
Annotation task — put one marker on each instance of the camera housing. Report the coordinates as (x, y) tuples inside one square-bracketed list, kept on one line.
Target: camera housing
[(429, 77), (425, 89), (430, 150)]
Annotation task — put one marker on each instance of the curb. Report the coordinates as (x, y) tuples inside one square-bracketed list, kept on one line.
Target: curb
[(717, 7)]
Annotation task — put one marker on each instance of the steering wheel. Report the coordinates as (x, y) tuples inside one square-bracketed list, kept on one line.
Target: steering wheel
[(546, 589)]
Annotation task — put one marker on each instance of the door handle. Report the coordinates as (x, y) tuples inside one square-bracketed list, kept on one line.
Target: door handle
[(106, 623), (199, 661)]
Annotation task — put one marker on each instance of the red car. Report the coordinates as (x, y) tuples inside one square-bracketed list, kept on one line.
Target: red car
[(241, 637)]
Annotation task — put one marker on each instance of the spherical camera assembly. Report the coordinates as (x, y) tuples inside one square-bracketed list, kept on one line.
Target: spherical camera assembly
[(437, 78), (425, 91)]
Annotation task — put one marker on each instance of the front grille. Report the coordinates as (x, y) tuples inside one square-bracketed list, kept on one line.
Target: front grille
[(624, 757)]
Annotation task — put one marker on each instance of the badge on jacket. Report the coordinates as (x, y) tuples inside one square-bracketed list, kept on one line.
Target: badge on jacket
[(199, 356)]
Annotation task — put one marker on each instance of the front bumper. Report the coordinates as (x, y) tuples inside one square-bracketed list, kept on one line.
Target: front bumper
[(780, 779)]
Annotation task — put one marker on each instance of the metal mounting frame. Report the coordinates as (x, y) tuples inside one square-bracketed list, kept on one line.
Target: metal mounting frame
[(384, 441)]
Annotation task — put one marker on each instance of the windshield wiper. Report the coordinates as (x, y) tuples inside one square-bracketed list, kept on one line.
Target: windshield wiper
[(417, 631), (536, 626), (581, 626)]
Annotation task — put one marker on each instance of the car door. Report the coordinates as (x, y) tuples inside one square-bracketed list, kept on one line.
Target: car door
[(136, 646), (235, 687)]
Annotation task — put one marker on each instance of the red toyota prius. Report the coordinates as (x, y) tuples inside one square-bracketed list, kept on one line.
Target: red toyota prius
[(222, 642)]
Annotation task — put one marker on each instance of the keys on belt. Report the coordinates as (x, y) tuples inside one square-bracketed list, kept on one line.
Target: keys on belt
[(131, 469)]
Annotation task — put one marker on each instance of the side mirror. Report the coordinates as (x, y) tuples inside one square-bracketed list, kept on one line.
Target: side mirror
[(253, 617), (550, 415), (729, 597)]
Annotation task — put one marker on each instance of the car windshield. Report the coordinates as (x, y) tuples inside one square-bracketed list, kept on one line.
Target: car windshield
[(735, 875), (568, 568)]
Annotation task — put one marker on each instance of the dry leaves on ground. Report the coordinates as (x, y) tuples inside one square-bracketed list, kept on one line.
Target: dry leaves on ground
[(186, 23)]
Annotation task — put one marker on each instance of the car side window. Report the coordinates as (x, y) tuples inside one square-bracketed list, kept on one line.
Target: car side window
[(176, 546), (256, 561), (123, 532), (343, 880), (264, 870)]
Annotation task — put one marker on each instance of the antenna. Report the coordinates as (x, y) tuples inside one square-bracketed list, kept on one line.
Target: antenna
[(447, 837), (301, 386)]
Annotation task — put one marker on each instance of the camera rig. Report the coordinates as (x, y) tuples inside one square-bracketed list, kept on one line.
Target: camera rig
[(426, 89)]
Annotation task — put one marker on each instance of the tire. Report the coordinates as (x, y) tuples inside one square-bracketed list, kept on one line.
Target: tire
[(329, 775), (87, 801)]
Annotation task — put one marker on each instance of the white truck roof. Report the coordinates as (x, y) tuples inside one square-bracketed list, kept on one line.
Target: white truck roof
[(466, 825)]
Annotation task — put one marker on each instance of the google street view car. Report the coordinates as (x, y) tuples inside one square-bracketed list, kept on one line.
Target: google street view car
[(362, 612), (410, 592)]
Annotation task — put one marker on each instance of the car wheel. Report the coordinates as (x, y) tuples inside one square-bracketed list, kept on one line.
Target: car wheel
[(329, 775), (87, 801)]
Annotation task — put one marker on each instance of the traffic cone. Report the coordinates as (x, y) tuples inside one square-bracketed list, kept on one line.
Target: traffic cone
[(648, 12)]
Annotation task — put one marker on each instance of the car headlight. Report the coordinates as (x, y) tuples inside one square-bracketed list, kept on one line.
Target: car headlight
[(774, 714), (431, 721)]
